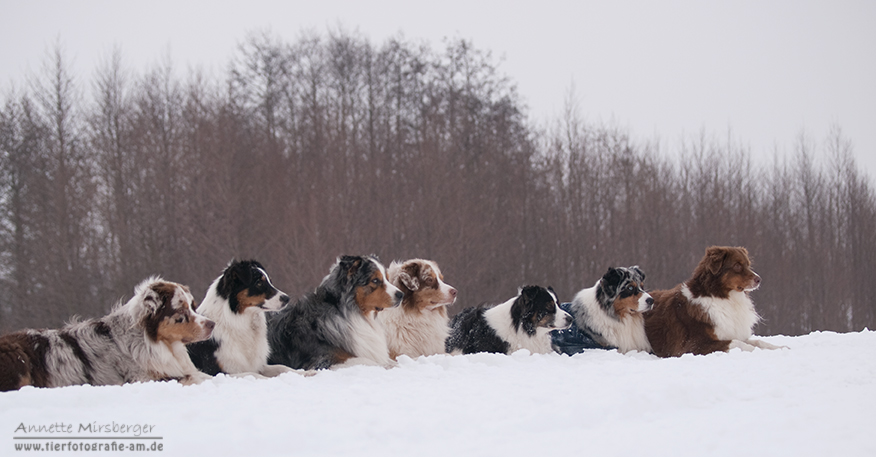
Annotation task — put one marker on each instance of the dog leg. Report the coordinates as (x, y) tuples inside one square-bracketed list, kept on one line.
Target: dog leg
[(764, 344), (741, 345), (195, 378), (274, 370), (246, 374), (363, 361)]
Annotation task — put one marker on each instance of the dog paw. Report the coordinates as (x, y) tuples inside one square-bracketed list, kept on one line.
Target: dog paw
[(741, 345)]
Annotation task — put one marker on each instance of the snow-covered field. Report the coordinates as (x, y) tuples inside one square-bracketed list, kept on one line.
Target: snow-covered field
[(817, 398)]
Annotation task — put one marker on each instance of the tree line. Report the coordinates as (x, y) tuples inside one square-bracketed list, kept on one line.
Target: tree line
[(331, 144)]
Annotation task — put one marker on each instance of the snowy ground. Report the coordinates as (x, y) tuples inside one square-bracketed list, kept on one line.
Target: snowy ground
[(817, 398)]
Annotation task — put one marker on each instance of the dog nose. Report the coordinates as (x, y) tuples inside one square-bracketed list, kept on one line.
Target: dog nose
[(452, 292), (757, 280), (210, 325), (399, 296), (284, 299), (649, 301)]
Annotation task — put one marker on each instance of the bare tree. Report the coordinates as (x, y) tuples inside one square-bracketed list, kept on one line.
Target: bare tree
[(331, 144)]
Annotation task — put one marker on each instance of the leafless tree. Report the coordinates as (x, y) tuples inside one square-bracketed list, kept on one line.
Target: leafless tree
[(331, 144)]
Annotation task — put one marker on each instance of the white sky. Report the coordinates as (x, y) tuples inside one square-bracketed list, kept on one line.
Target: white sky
[(763, 70)]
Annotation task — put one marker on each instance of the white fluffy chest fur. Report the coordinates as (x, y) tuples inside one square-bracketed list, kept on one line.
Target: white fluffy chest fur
[(626, 334), (734, 317), (414, 333), (369, 339), (243, 347), (499, 318), (242, 338)]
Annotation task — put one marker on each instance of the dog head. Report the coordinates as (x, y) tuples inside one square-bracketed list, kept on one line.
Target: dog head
[(723, 270), (247, 287), (621, 292), (423, 286), (536, 307), (362, 280), (165, 311)]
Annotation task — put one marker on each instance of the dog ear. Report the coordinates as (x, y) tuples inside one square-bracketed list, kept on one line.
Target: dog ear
[(522, 310), (530, 292), (426, 271), (409, 276), (638, 271), (612, 277), (235, 273), (152, 301), (716, 256), (350, 265), (150, 296)]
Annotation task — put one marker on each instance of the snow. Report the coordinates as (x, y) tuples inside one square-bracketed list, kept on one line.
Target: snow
[(816, 398)]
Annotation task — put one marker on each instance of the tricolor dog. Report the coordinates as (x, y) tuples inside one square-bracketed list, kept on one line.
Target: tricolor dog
[(523, 322), (237, 301)]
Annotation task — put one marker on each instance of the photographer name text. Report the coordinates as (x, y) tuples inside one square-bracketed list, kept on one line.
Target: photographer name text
[(92, 428)]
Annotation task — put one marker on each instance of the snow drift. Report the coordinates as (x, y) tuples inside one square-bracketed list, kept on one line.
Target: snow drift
[(816, 398)]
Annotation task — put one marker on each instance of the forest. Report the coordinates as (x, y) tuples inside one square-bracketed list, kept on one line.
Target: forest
[(331, 144)]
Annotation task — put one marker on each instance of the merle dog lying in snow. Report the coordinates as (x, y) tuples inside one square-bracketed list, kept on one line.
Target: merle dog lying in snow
[(607, 315)]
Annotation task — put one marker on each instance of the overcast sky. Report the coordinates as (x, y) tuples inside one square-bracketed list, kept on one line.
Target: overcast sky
[(763, 70)]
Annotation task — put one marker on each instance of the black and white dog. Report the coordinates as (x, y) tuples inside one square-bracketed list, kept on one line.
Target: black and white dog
[(523, 322), (608, 315), (142, 340), (237, 301), (335, 324)]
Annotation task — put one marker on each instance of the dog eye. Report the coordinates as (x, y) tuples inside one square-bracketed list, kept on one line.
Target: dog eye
[(179, 319), (376, 281)]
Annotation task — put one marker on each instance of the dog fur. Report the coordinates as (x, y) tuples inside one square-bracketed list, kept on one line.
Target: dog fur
[(142, 340), (712, 311), (335, 325), (523, 322), (610, 312), (237, 301), (419, 326)]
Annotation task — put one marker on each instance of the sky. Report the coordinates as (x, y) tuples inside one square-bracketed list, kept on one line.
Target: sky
[(760, 72)]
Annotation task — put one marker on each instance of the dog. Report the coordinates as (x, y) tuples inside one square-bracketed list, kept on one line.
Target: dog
[(335, 325), (711, 311), (608, 315), (142, 340), (419, 326), (237, 301), (523, 322)]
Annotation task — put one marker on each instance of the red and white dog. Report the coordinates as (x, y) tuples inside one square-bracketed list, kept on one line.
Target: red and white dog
[(711, 311), (420, 325), (142, 340)]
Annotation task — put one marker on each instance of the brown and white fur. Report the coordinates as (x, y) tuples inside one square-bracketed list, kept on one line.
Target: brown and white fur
[(419, 326), (142, 340), (711, 311)]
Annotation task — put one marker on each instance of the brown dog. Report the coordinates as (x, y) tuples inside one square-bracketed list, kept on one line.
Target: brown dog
[(711, 311)]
